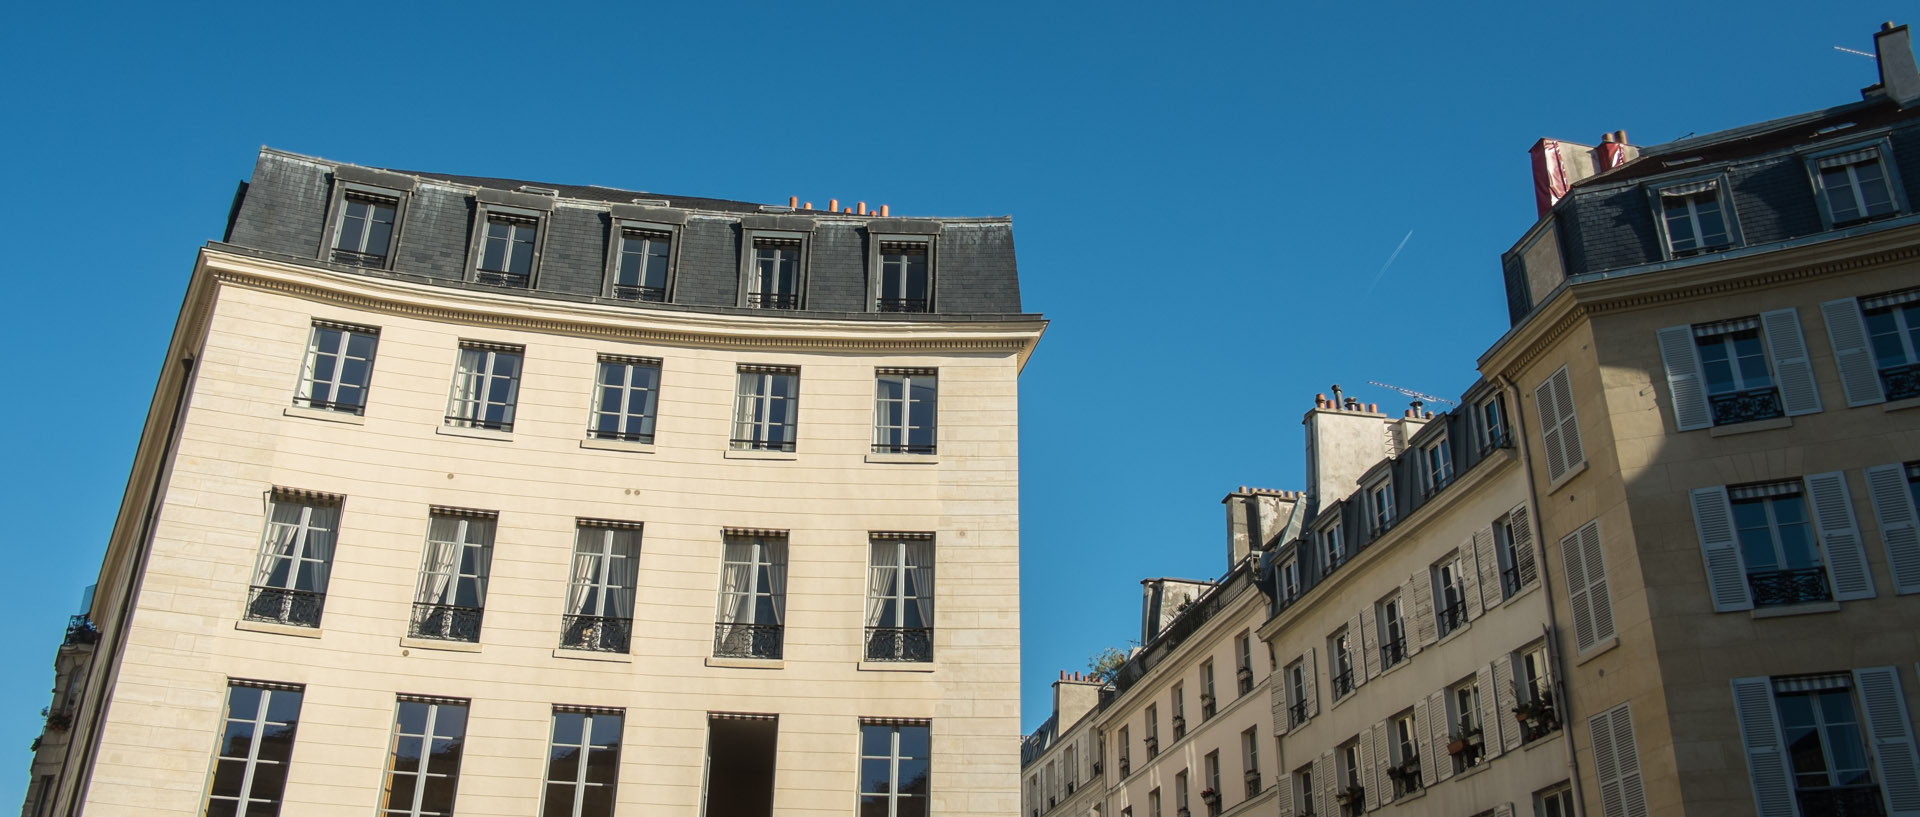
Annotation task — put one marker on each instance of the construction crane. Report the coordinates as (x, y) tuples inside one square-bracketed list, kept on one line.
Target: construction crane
[(1413, 394)]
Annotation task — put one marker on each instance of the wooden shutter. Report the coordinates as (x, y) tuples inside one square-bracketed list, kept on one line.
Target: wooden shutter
[(1423, 610), (1544, 405), (1439, 732), (1369, 663), (1503, 810), (1579, 589), (1569, 420), (1382, 758), (1310, 687), (1616, 761), (1791, 368), (1491, 715), (1767, 768), (1523, 561), (1483, 552), (1503, 693), (1283, 792), (1279, 699), (1847, 331), (1899, 524), (1357, 651), (1409, 617), (1840, 536), (1677, 351), (1599, 596), (1892, 732), (1423, 741), (1470, 578), (1370, 797), (1324, 770), (1726, 569)]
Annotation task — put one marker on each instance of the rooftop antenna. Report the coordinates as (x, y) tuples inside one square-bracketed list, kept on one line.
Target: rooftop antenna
[(1414, 394), (1857, 53)]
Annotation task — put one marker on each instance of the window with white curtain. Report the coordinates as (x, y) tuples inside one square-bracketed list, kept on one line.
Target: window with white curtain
[(905, 403), (900, 597), (626, 399), (767, 408), (453, 575), (338, 367), (599, 614), (296, 554), (753, 595), (486, 385)]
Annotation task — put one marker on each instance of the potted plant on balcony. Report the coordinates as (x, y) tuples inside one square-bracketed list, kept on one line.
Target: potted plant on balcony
[(1350, 795), (1407, 774), (1463, 739), (1209, 796)]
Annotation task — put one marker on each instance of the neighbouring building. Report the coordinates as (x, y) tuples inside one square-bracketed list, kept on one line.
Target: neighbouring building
[(1716, 357), (467, 494)]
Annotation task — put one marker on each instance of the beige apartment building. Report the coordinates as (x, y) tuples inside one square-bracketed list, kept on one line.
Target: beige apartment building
[(469, 494), (1716, 355)]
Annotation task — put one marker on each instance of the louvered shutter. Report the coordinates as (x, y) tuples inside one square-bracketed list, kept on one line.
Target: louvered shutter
[(1369, 793), (1576, 568), (1483, 552), (1677, 351), (1468, 565), (1423, 741), (1409, 614), (1370, 635), (1549, 412), (1503, 810), (1423, 610), (1523, 561), (1899, 524), (1569, 420), (1382, 758), (1357, 654), (1726, 569), (1767, 767), (1840, 536), (1311, 686), (1324, 770), (1847, 330), (1441, 733), (1278, 695), (1633, 794), (1599, 596), (1283, 793), (1503, 693), (1791, 368), (1893, 746), (1491, 715), (1606, 767)]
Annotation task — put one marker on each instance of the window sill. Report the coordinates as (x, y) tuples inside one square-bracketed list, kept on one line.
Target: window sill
[(1521, 593), (756, 454), (438, 644), (1751, 426), (1900, 405), (590, 655), (1597, 650), (1412, 795), (747, 663), (1567, 477), (327, 415), (1543, 739), (1451, 634), (475, 433), (1809, 608), (277, 629), (617, 445), (911, 459), (1474, 769), (895, 666)]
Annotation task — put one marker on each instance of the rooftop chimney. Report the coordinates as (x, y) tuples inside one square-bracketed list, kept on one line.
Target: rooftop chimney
[(1558, 165), (1343, 441), (1255, 519), (1074, 695), (1899, 78)]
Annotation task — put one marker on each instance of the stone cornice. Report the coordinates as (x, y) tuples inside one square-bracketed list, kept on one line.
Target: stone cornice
[(466, 307)]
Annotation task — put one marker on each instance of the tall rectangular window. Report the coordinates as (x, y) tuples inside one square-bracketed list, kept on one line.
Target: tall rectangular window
[(452, 596), (423, 772), (296, 554), (1152, 737), (1449, 595), (1503, 550), (1854, 186), (1180, 794), (1243, 662), (1250, 760), (905, 404), (895, 767), (1303, 790), (1437, 461), (774, 278), (1210, 780), (1393, 632), (599, 614), (338, 367), (1893, 336), (1340, 652), (365, 230), (1297, 693), (1207, 703), (1351, 791), (486, 385), (1153, 802), (1695, 218), (583, 762), (904, 283), (1290, 580), (506, 250), (1333, 546), (1463, 706), (641, 269), (767, 410), (1493, 424), (753, 595), (1559, 425), (1404, 764), (1380, 506), (1125, 751), (900, 597), (1778, 545), (626, 399), (256, 743), (1179, 698)]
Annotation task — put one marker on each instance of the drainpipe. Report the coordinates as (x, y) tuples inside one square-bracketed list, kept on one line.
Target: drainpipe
[(1514, 419)]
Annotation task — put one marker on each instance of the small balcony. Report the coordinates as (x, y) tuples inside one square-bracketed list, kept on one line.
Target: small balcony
[(501, 279), (360, 259), (1253, 783), (1780, 587), (280, 605), (492, 424), (329, 405), (1746, 406), (1343, 683), (1244, 677), (80, 632), (1296, 713), (773, 300), (445, 622), (904, 448), (900, 305), (628, 292), (1393, 652), (1179, 727), (1509, 582), (1452, 617), (902, 644), (596, 633), (1901, 382), (1842, 801), (1153, 747), (748, 444), (597, 433), (1501, 439), (742, 640)]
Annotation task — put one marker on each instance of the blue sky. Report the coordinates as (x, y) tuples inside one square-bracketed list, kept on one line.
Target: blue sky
[(1205, 199)]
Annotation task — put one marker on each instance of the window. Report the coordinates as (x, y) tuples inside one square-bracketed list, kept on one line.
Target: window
[(1493, 424), (905, 404), (1153, 802), (1393, 632), (1179, 710), (1587, 591), (1437, 461), (1207, 707), (1290, 580), (1334, 545), (1554, 802), (1761, 548), (583, 766), (626, 399), (642, 262), (1072, 768), (1694, 218), (1559, 427), (1449, 595), (507, 249), (773, 272), (256, 743), (1180, 794), (906, 282), (1854, 186), (1464, 738), (364, 235), (1503, 554), (1739, 370), (452, 595), (423, 772), (753, 595), (1303, 791), (1807, 741), (1340, 648), (1351, 794), (1125, 752), (486, 385), (900, 597), (894, 769), (768, 408), (599, 614), (1250, 760), (1210, 771), (1893, 333), (1777, 544), (1243, 663), (296, 554), (1380, 506), (1298, 693), (1404, 763), (1534, 696), (1152, 739), (338, 367)]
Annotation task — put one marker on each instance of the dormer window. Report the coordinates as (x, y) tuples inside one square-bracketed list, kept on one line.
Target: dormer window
[(1695, 218), (1437, 460), (642, 262), (507, 249), (1854, 186), (904, 274), (1334, 546), (773, 272), (1380, 506), (365, 234)]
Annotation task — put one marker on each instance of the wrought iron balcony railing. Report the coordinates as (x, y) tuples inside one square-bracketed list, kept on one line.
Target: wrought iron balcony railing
[(904, 644), (280, 605), (501, 279), (1510, 581), (901, 305), (1451, 617), (1244, 677), (1393, 652), (1901, 382), (1789, 586), (458, 421), (1296, 713), (360, 259), (773, 300), (329, 405), (1179, 727), (743, 444), (1343, 683), (1253, 783), (903, 448), (748, 640), (80, 631), (614, 434), (1500, 439), (627, 292), (596, 633), (445, 622), (1746, 406), (1842, 801)]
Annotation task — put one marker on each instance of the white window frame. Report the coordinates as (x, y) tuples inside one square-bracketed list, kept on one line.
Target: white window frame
[(1340, 662), (1393, 622), (1890, 176), (885, 268), (340, 353), (252, 760), (1380, 506), (1436, 460), (893, 794), (1491, 419), (1333, 547), (1449, 592), (646, 237), (586, 748), (516, 219), (597, 543), (317, 530), (884, 433), (1691, 191), (472, 531), (476, 372), (424, 769), (752, 424), (633, 380), (757, 289)]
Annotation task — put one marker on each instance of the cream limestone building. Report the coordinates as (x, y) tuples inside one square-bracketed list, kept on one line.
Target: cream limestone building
[(566, 501)]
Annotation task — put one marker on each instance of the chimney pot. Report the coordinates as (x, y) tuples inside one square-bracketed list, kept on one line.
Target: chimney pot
[(863, 208), (793, 201), (883, 211), (833, 205), (809, 205)]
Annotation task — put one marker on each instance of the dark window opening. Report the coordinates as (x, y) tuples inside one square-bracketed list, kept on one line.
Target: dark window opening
[(740, 759)]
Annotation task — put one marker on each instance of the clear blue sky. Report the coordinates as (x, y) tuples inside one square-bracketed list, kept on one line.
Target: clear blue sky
[(1204, 198)]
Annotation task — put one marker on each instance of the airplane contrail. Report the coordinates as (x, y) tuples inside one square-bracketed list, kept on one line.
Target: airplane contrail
[(1383, 267)]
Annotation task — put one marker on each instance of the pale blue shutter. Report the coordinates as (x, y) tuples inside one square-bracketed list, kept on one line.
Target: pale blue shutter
[(1848, 333), (1892, 732), (1840, 536), (1726, 571), (1690, 410), (1767, 767), (1798, 393), (1899, 524)]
